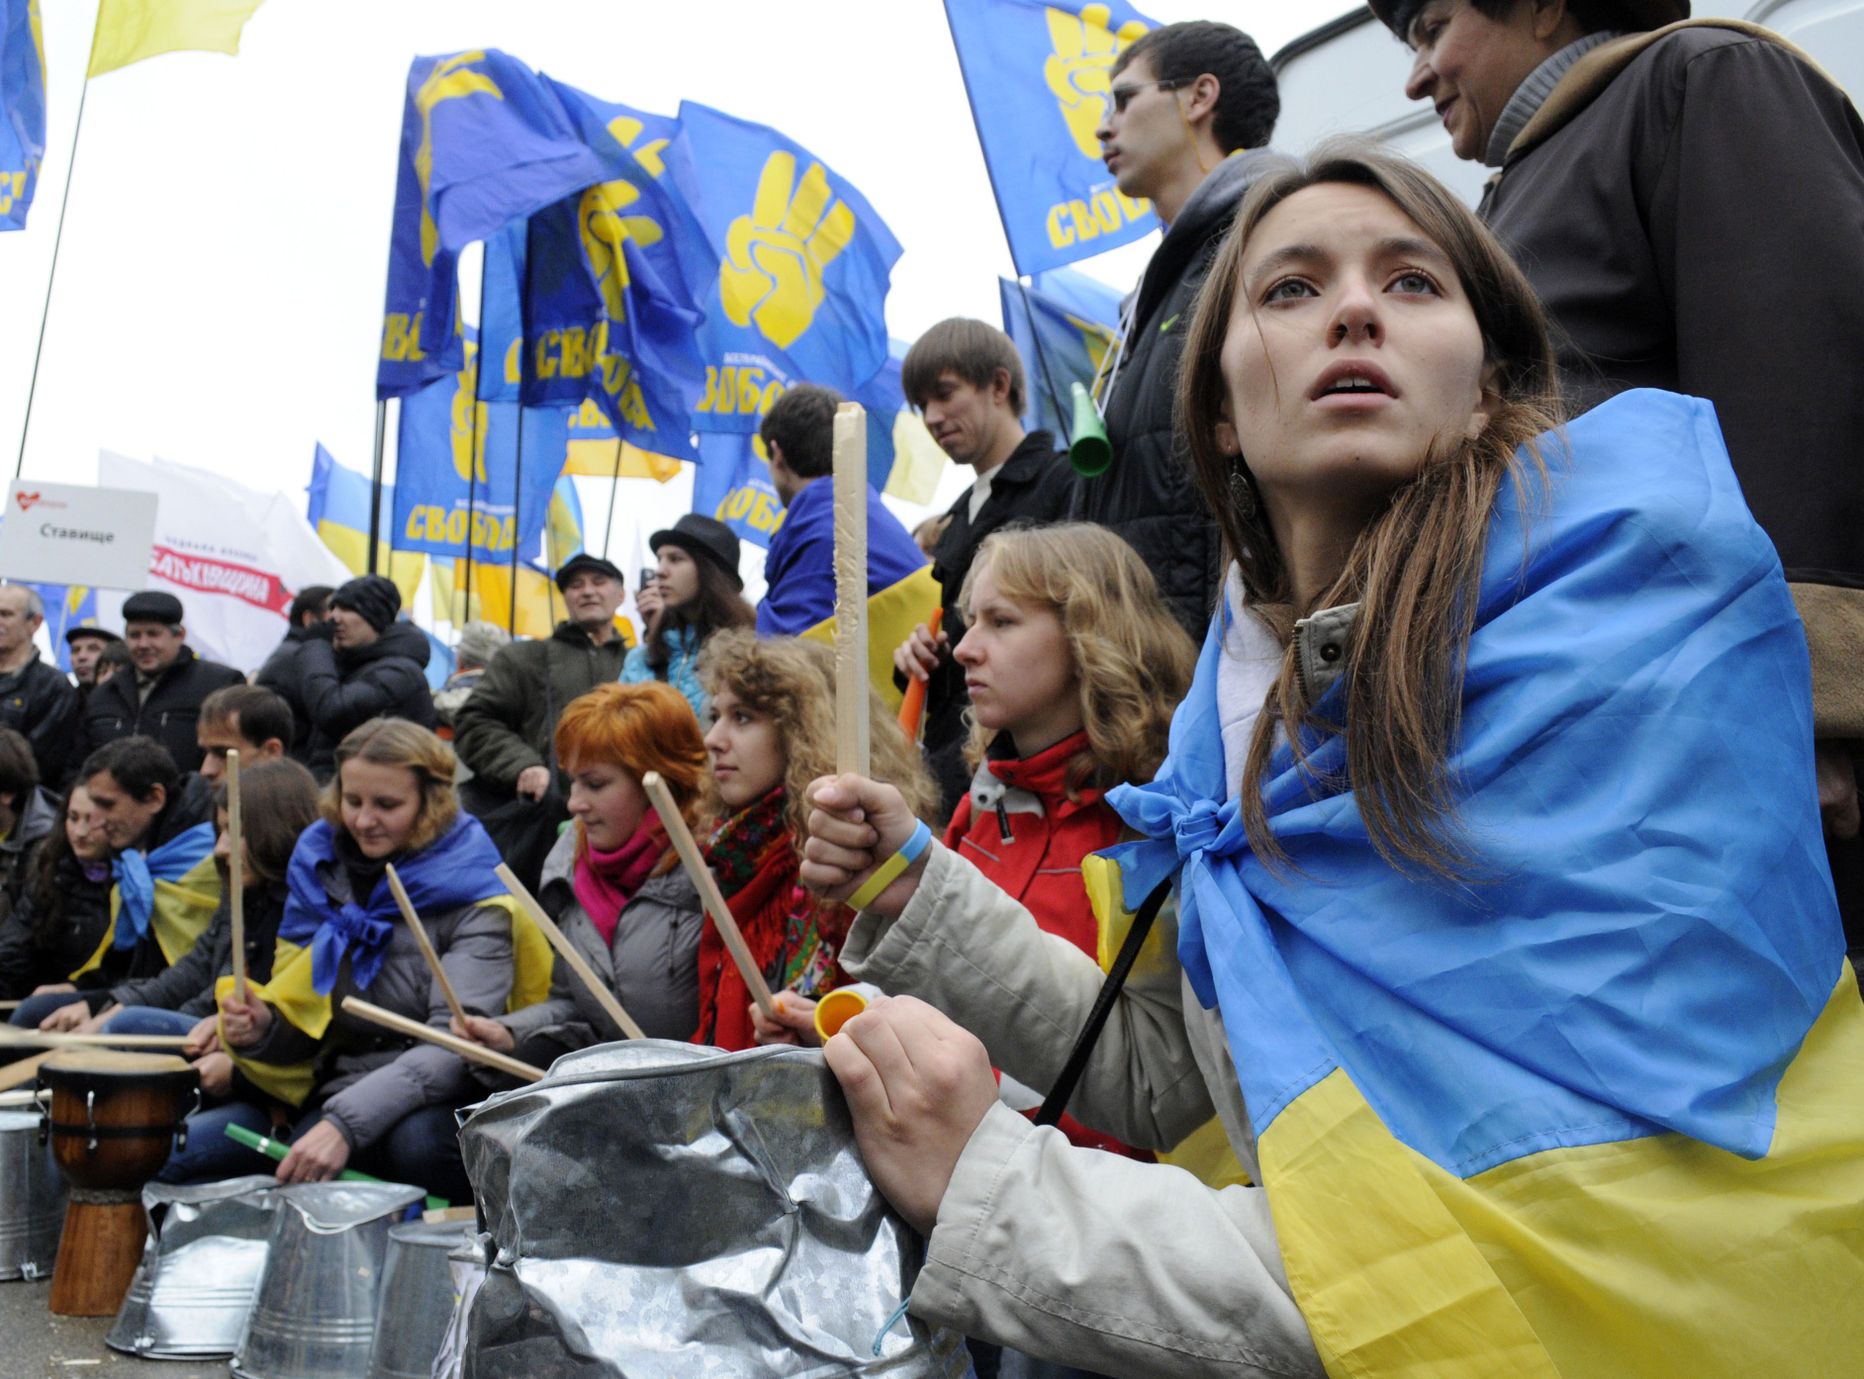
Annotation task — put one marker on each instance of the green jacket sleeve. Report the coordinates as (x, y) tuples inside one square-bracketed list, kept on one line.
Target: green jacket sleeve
[(488, 729)]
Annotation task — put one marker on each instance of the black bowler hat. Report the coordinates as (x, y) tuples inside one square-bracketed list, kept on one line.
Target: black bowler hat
[(707, 536), (152, 605), (1636, 15), (581, 561)]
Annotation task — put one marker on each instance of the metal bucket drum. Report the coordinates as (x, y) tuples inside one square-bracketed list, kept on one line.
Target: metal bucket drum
[(467, 1265), (417, 1299), (313, 1316), (32, 1198), (206, 1249), (113, 1119), (666, 1211)]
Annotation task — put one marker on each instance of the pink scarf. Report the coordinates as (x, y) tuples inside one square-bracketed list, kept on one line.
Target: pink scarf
[(605, 882)]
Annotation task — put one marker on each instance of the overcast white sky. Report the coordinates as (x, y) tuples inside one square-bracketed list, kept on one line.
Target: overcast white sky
[(219, 288)]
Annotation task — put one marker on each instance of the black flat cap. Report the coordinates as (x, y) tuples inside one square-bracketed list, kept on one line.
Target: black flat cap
[(582, 561), (152, 605)]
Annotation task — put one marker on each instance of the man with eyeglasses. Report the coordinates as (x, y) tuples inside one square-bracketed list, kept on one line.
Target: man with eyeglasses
[(1192, 106)]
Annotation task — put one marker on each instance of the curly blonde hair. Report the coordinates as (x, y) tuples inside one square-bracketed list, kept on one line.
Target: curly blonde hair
[(792, 682), (1132, 660)]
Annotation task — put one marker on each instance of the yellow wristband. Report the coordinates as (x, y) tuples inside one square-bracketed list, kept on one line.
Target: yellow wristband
[(889, 871)]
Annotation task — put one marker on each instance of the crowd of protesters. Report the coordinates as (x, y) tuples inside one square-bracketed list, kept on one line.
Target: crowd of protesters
[(1336, 389)]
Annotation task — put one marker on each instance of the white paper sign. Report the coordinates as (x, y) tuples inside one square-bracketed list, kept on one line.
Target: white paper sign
[(67, 534)]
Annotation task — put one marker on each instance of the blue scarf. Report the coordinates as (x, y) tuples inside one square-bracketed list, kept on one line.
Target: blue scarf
[(137, 872), (454, 870), (1653, 930)]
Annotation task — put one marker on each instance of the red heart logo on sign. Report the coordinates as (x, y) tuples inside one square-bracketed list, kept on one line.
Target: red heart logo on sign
[(26, 500)]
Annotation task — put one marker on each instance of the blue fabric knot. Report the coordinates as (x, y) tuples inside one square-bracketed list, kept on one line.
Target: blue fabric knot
[(136, 873), (1197, 829), (350, 930)]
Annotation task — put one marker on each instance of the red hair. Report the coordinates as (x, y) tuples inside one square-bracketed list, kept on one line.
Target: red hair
[(640, 728)]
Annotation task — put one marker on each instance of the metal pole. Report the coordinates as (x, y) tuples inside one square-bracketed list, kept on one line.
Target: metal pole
[(614, 482), (375, 479)]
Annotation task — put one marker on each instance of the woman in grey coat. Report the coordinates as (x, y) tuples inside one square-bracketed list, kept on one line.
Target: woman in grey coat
[(613, 882)]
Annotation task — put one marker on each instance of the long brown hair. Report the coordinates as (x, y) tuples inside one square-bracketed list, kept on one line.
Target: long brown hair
[(714, 606), (278, 801), (792, 681), (1415, 570), (1131, 658)]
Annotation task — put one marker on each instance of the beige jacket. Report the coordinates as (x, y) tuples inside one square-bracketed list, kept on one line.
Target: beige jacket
[(1074, 1255)]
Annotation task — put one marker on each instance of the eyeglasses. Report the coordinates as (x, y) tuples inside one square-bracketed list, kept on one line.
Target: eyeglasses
[(1123, 95)]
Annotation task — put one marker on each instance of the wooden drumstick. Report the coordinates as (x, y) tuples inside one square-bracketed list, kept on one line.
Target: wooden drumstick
[(236, 869), (24, 1070), (427, 945), (44, 1039), (567, 951), (465, 1048), (701, 876), (851, 672), (10, 1005)]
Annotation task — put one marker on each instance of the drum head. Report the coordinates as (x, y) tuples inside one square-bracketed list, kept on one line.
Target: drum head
[(109, 1067)]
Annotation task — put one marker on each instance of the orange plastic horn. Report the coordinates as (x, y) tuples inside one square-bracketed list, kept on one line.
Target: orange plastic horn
[(913, 706)]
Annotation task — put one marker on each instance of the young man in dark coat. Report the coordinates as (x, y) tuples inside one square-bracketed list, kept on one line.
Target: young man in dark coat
[(966, 378), (163, 697), (36, 701), (1187, 99), (503, 730), (309, 611), (1688, 200), (371, 667)]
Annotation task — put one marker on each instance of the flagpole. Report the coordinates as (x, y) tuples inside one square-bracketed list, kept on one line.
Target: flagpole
[(614, 482), (1048, 379), (517, 499), (375, 479), (58, 238), (472, 423)]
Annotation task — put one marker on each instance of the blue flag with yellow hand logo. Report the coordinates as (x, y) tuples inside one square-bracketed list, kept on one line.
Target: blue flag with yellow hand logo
[(1063, 325), (804, 266), (1039, 76), (733, 485), (484, 141), (22, 109), (464, 485), (501, 313)]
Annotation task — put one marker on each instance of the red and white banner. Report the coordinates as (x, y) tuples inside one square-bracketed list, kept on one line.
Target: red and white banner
[(232, 555)]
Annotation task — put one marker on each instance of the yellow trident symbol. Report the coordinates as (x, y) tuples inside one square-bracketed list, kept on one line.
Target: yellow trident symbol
[(450, 80)]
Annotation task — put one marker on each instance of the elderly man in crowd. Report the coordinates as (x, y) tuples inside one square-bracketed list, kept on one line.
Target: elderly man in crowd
[(162, 699), (35, 700)]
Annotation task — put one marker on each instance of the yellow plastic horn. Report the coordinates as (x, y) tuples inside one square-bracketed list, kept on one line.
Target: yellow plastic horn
[(1089, 453)]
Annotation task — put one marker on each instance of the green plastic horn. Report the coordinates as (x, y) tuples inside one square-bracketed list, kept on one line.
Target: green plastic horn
[(1090, 453)]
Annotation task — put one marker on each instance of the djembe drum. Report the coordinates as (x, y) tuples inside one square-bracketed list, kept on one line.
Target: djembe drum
[(113, 1119)]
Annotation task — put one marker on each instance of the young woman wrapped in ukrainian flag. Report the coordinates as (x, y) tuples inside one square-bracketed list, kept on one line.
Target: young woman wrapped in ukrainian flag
[(1504, 944), (364, 1098)]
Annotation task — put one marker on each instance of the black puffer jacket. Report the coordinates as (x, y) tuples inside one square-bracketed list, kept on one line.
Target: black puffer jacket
[(283, 675), (41, 705), (53, 931), (38, 816), (168, 715), (1146, 495), (344, 689), (187, 985), (1032, 488)]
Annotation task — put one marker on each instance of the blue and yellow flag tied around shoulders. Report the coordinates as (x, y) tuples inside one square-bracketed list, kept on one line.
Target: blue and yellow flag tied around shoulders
[(172, 889), (1595, 1112), (1039, 77), (22, 109), (315, 936)]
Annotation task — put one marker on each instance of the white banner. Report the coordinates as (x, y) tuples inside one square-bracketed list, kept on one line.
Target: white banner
[(67, 534), (232, 555)]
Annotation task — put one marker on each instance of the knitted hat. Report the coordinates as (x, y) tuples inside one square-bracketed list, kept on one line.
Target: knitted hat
[(373, 598), (1630, 15)]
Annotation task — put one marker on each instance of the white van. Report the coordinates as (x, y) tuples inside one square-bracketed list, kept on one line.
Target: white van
[(1347, 77)]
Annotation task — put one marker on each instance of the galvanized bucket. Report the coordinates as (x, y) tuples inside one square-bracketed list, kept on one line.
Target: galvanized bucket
[(32, 1199), (200, 1267), (417, 1300), (467, 1266), (313, 1316), (667, 1211)]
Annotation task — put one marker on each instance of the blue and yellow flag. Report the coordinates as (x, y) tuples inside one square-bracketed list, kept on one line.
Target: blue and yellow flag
[(1595, 1110), (614, 279), (733, 484), (22, 109), (804, 267), (66, 606), (130, 30), (1038, 75), (1064, 325), (471, 476), (338, 511), (484, 142)]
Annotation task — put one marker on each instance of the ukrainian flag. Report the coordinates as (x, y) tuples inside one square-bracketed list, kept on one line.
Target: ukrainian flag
[(1594, 1111), (892, 614)]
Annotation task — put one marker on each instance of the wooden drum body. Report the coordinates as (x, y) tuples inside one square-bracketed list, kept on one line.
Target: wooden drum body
[(112, 1121)]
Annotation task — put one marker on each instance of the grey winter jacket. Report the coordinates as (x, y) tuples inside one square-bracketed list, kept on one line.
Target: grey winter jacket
[(1147, 496), (652, 965), (41, 814), (343, 689), (1072, 1254), (369, 1079), (505, 725)]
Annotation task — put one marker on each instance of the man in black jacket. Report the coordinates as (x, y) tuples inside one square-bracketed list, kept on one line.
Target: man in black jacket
[(35, 700), (163, 698), (371, 667), (966, 378), (1187, 99), (309, 610)]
